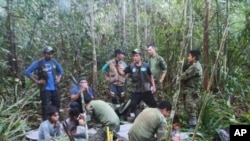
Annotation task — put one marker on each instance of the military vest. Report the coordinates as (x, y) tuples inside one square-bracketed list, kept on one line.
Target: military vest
[(114, 76), (140, 78)]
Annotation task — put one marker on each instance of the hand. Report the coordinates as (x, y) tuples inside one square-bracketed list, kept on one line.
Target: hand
[(58, 79), (81, 116), (153, 89), (117, 65), (42, 81), (81, 122), (122, 94), (161, 80), (112, 94)]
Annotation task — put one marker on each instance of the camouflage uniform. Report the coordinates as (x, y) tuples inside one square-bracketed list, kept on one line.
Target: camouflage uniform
[(157, 66), (191, 81), (148, 123), (103, 113)]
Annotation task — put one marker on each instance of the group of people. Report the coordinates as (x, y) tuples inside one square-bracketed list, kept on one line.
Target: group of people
[(146, 85)]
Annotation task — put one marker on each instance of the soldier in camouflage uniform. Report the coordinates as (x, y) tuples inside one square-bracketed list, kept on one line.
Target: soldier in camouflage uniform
[(158, 68), (151, 121), (191, 80)]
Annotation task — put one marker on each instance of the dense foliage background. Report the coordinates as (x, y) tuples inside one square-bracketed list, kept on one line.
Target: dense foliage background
[(85, 34)]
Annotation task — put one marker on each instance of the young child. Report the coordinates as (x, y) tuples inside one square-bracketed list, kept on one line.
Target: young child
[(75, 119), (175, 135), (50, 128)]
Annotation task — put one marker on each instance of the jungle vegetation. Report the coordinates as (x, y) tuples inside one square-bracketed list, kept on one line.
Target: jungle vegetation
[(85, 34)]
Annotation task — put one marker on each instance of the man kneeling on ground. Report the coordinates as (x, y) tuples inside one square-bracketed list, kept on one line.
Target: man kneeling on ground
[(149, 122), (105, 115)]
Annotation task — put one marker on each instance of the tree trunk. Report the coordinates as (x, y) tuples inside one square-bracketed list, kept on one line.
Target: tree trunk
[(206, 43), (122, 4), (91, 17), (136, 19), (11, 38)]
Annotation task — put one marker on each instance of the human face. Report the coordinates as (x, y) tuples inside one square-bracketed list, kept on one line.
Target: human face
[(55, 117), (176, 126), (136, 58), (165, 112), (83, 83), (120, 56), (48, 55), (151, 51), (191, 59)]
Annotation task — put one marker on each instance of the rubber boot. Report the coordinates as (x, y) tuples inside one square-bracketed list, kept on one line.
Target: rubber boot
[(192, 124)]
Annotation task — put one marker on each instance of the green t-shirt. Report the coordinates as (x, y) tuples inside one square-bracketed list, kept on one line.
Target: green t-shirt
[(148, 123), (104, 113), (157, 66)]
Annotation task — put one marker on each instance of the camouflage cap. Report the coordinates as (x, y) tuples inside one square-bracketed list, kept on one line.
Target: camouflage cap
[(136, 51), (47, 49)]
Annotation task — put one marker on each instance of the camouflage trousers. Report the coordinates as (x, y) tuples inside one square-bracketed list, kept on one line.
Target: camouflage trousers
[(159, 94), (190, 99)]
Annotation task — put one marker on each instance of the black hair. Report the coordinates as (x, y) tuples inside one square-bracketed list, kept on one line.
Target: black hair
[(165, 104), (80, 79), (74, 112), (196, 54), (176, 119), (51, 110)]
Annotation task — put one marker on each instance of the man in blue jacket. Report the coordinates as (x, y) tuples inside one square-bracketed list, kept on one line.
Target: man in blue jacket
[(49, 73)]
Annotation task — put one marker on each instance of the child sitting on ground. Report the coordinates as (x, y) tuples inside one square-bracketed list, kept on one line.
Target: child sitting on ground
[(50, 128), (75, 122), (175, 135)]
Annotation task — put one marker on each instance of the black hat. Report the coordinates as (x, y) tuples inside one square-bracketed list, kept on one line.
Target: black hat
[(47, 49), (119, 51), (136, 51)]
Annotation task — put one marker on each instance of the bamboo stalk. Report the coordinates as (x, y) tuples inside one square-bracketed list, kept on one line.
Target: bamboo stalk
[(85, 117)]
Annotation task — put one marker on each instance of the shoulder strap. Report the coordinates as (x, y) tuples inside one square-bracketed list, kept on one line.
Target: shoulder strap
[(41, 63)]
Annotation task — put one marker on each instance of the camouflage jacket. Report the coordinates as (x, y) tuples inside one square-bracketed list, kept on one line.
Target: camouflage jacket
[(192, 77)]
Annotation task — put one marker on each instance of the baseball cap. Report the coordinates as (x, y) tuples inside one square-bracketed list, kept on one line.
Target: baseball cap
[(47, 49), (136, 51), (119, 51)]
